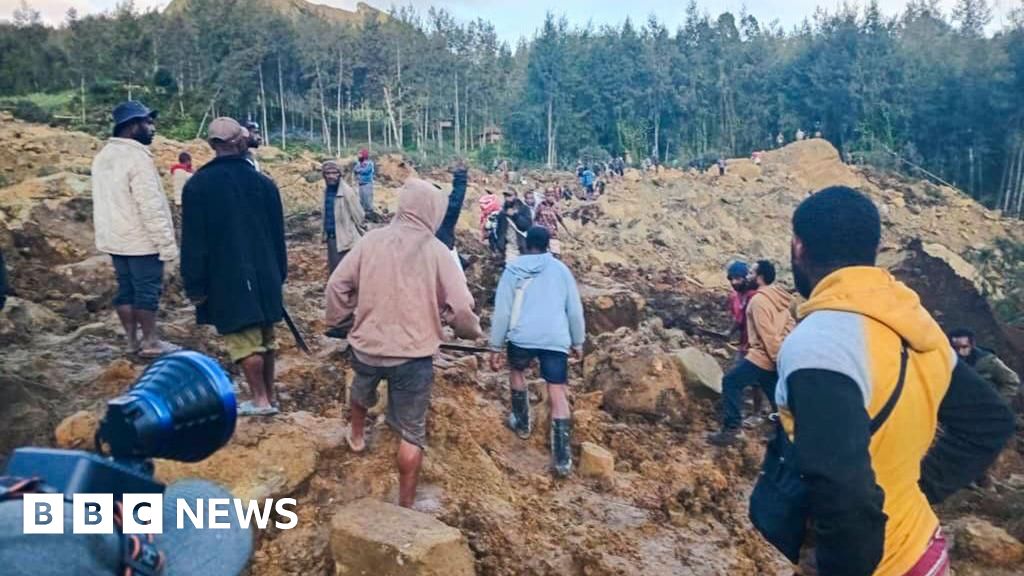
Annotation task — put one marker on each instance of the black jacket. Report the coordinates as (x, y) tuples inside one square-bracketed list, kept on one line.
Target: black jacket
[(522, 219), (232, 245), (446, 233)]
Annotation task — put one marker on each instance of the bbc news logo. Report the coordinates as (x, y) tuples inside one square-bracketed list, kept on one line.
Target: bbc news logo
[(144, 513)]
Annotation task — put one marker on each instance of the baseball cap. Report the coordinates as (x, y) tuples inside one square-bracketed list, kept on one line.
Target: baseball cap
[(737, 269), (132, 110), (187, 552), (225, 129)]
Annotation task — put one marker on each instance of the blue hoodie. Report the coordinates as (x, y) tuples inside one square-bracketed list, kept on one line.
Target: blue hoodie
[(551, 317)]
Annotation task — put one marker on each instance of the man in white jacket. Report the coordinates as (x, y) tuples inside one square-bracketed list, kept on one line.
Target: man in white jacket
[(133, 224)]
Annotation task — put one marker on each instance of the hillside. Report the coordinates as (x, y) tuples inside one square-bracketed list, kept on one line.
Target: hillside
[(650, 257), (298, 8)]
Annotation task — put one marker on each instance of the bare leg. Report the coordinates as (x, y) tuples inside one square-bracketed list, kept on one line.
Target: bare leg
[(126, 314), (357, 423), (252, 367), (410, 457), (517, 380), (147, 320), (268, 376), (559, 401)]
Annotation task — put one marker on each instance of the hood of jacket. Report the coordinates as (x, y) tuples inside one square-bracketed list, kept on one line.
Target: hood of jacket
[(530, 265), (875, 293), (420, 206), (780, 298)]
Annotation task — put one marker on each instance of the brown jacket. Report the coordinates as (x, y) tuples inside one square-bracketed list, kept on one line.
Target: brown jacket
[(769, 321), (349, 218), (400, 282)]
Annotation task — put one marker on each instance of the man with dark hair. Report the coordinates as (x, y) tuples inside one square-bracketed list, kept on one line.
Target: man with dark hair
[(513, 222), (865, 380), (344, 219), (986, 364), (768, 321), (133, 224), (365, 172), (234, 260), (538, 313), (254, 141)]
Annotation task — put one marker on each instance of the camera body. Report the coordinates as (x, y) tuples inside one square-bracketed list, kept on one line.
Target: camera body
[(71, 472)]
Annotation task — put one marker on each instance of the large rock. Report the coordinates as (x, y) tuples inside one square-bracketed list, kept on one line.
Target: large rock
[(596, 461), (648, 384), (699, 368), (610, 309), (978, 540), (20, 320), (371, 538)]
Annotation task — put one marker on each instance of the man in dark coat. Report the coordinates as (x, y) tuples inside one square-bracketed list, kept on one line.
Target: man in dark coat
[(234, 260), (514, 220)]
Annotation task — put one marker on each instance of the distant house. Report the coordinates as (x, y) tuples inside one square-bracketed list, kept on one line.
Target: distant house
[(491, 135)]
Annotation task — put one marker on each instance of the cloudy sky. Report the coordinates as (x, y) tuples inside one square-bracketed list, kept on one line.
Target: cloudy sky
[(521, 18)]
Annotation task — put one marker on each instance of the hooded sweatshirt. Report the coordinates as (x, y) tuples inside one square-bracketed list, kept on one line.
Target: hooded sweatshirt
[(550, 313), (400, 282), (869, 495), (769, 321)]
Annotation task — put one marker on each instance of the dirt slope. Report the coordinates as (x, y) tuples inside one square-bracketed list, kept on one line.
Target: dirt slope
[(650, 256)]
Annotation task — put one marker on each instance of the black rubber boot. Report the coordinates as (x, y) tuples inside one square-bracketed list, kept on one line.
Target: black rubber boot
[(561, 451), (519, 418)]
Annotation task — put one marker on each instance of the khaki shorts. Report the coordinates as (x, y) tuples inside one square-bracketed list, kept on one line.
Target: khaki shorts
[(254, 340)]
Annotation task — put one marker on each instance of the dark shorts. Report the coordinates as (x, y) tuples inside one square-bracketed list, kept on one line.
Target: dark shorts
[(409, 386), (139, 281), (554, 366)]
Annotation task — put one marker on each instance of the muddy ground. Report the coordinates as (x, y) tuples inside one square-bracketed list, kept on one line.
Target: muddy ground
[(649, 256)]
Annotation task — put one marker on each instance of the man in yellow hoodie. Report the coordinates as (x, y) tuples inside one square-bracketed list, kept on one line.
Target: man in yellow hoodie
[(866, 448), (769, 321)]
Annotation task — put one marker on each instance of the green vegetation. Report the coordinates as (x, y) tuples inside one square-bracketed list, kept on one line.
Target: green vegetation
[(922, 91)]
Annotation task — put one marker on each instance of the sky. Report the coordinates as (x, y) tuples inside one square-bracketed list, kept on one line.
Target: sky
[(521, 18)]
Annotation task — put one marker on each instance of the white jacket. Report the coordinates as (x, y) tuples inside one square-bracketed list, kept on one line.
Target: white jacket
[(179, 178), (130, 210)]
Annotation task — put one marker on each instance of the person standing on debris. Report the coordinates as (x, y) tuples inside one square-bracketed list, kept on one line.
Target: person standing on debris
[(769, 321), (865, 381), (490, 205), (365, 172), (254, 142), (800, 134), (344, 220), (548, 217), (721, 166), (742, 291), (395, 288), (780, 140), (234, 260), (446, 232), (587, 180), (539, 315), (180, 173), (987, 364), (133, 224), (513, 222)]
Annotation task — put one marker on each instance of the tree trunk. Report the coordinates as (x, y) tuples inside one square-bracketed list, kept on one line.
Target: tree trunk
[(337, 108), (263, 105), (369, 127), (284, 113), (81, 88), (392, 123), (457, 125), (325, 125), (551, 133)]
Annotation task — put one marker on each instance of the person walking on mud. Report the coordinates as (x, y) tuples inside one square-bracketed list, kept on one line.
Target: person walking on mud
[(395, 288), (539, 315), (865, 382), (255, 140), (514, 220), (344, 219), (234, 260), (133, 224), (769, 321), (548, 217), (365, 172)]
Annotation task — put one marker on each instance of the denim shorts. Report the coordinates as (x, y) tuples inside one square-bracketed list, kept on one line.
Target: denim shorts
[(139, 281), (554, 366), (409, 386)]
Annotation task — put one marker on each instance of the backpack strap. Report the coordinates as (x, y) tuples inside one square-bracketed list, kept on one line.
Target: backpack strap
[(879, 420)]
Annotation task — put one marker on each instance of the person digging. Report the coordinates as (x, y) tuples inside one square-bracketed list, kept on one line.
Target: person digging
[(539, 315)]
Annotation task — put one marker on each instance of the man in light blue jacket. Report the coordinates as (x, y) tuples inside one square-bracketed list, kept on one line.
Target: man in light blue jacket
[(539, 315)]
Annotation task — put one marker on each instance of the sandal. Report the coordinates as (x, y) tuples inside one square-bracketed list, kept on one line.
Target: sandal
[(351, 445), (247, 408), (157, 350)]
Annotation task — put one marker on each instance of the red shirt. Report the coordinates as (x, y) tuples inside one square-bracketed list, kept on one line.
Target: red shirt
[(546, 216), (738, 308), (179, 166)]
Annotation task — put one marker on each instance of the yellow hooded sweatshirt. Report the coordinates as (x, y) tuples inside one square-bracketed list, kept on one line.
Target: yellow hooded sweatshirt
[(853, 325)]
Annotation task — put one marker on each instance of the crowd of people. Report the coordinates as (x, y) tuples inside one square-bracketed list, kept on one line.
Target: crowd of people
[(859, 376)]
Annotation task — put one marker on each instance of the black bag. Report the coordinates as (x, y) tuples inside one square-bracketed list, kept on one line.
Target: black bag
[(778, 504)]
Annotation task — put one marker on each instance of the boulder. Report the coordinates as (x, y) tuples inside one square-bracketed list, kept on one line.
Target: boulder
[(595, 461), (20, 320), (649, 385), (978, 540), (77, 431), (699, 368), (372, 538), (610, 309)]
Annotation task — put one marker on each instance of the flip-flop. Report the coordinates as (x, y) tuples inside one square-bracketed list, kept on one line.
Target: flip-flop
[(157, 351), (351, 446), (247, 408)]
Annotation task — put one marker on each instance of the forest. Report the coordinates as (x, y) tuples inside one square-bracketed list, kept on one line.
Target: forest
[(928, 92)]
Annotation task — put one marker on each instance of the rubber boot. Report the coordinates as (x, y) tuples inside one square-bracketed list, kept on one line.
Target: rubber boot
[(519, 418), (561, 451)]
